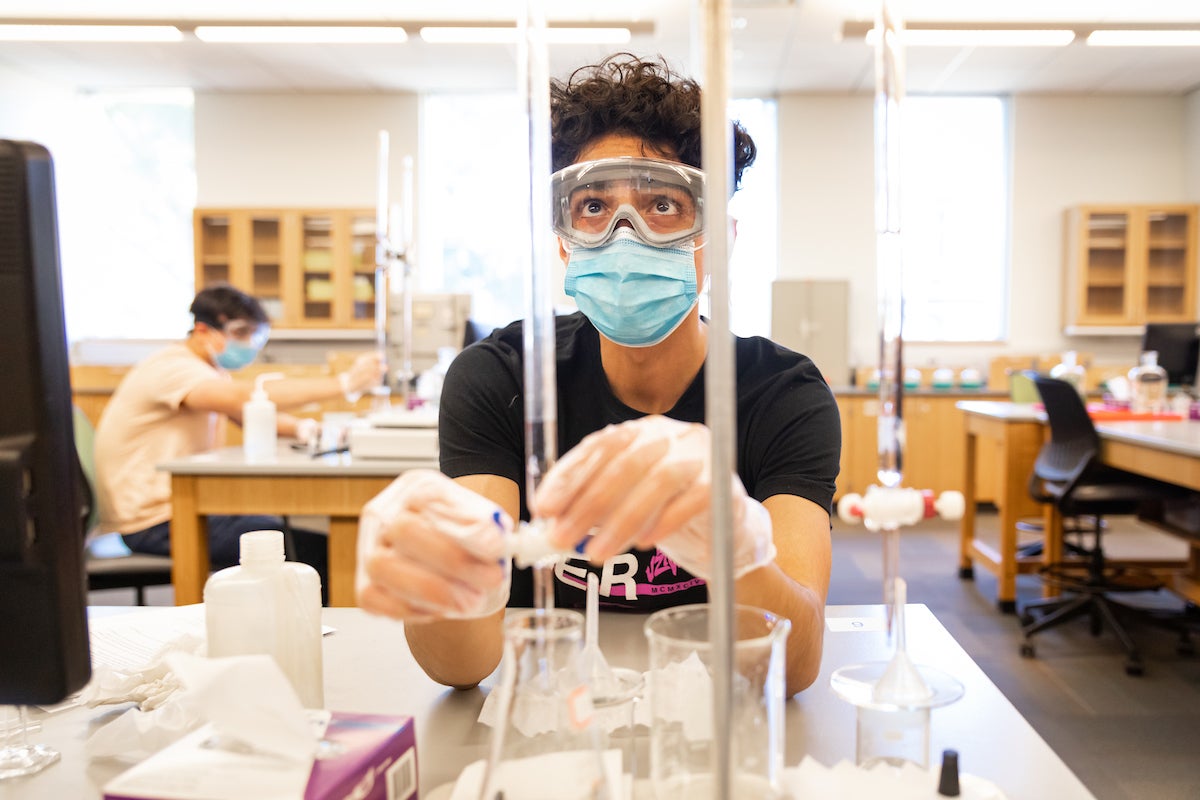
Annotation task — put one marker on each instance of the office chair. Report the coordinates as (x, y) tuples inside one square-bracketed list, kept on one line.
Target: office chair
[(1068, 473), (109, 563)]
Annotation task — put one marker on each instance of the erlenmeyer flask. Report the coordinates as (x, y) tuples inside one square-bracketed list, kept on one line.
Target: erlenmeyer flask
[(546, 745)]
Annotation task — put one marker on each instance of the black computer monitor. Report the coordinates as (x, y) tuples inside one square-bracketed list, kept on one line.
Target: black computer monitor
[(1178, 348), (43, 595)]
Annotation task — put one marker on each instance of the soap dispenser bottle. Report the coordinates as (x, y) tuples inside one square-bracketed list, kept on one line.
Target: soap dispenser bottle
[(1071, 371), (268, 606), (258, 423), (1148, 383)]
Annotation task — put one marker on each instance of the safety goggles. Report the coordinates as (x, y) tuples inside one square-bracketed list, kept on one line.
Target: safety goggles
[(662, 200), (247, 333)]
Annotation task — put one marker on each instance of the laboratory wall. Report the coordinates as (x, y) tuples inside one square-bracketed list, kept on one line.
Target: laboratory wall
[(300, 149), (318, 149), (1065, 150)]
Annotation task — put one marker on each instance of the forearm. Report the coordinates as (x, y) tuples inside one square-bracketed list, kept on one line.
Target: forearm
[(285, 424), (458, 653), (771, 589), (292, 392)]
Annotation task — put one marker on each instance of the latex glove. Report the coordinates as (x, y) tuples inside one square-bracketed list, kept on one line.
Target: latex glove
[(364, 374), (648, 482), (308, 431), (430, 549)]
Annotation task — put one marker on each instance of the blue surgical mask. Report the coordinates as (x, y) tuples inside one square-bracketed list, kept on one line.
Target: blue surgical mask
[(634, 293), (236, 355)]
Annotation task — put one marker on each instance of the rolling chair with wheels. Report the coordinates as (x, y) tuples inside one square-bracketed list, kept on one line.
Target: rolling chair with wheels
[(1068, 473), (108, 562)]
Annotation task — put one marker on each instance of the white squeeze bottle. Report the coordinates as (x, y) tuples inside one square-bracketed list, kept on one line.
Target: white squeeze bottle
[(269, 606), (1149, 384), (258, 423)]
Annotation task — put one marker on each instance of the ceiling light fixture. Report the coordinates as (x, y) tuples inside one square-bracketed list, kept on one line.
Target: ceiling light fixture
[(90, 33), (302, 34), (505, 34), (976, 37), (1144, 38), (976, 33)]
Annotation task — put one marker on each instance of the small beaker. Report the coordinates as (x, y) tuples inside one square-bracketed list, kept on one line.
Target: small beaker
[(680, 695), (546, 715)]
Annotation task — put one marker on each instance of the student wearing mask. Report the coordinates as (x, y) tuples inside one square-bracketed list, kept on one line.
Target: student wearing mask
[(634, 482), (174, 404)]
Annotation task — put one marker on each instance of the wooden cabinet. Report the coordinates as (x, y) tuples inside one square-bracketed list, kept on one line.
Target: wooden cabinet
[(934, 450), (1129, 265), (310, 268)]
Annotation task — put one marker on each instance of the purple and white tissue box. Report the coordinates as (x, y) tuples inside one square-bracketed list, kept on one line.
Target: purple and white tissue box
[(363, 757), (378, 760)]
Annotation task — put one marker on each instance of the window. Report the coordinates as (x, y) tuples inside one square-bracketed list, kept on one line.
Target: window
[(474, 219), (954, 218), (754, 263), (125, 184)]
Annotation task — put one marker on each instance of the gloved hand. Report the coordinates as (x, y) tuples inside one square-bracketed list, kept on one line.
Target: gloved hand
[(364, 374), (308, 431), (648, 482), (431, 549)]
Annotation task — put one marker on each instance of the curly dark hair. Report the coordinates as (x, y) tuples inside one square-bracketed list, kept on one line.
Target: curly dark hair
[(629, 95), (221, 303)]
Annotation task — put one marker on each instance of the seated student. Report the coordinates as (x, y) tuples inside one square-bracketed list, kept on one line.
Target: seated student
[(171, 405), (636, 473)]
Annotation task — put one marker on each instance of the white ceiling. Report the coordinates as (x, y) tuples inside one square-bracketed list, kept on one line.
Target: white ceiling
[(783, 46)]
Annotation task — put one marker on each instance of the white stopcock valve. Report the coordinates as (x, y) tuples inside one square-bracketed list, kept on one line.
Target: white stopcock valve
[(891, 508)]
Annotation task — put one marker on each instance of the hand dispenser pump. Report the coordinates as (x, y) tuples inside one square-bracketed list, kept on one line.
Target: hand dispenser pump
[(258, 422)]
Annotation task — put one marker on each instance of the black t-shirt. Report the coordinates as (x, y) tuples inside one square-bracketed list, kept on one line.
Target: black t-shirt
[(788, 442)]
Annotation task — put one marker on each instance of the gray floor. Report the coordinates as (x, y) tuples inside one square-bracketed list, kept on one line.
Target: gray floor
[(1127, 738)]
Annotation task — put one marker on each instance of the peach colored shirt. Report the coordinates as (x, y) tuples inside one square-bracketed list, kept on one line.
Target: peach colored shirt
[(144, 424)]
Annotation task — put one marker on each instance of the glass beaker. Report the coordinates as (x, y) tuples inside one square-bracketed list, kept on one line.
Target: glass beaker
[(547, 721), (680, 693)]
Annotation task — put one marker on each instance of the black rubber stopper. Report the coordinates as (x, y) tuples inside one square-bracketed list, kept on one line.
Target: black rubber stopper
[(948, 783)]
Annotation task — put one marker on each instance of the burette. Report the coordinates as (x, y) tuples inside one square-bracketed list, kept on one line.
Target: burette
[(887, 506), (541, 396), (393, 244), (889, 274)]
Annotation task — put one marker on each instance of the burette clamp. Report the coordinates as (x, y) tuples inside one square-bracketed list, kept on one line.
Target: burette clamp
[(891, 508)]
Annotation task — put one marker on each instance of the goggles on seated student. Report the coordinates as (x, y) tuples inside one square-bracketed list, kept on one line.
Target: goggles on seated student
[(662, 200), (249, 333)]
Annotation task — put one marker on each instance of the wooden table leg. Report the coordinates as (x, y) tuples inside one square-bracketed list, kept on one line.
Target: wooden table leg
[(189, 542), (1052, 544), (1012, 491), (966, 530), (343, 559)]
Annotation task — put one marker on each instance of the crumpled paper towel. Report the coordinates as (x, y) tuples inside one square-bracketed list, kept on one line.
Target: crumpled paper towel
[(149, 685), (248, 699)]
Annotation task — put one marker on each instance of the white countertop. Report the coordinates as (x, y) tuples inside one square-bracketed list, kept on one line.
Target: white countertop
[(369, 669)]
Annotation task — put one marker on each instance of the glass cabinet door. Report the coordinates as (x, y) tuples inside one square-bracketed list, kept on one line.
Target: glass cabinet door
[(317, 267), (1106, 278), (1168, 257), (362, 267), (266, 258), (213, 250)]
